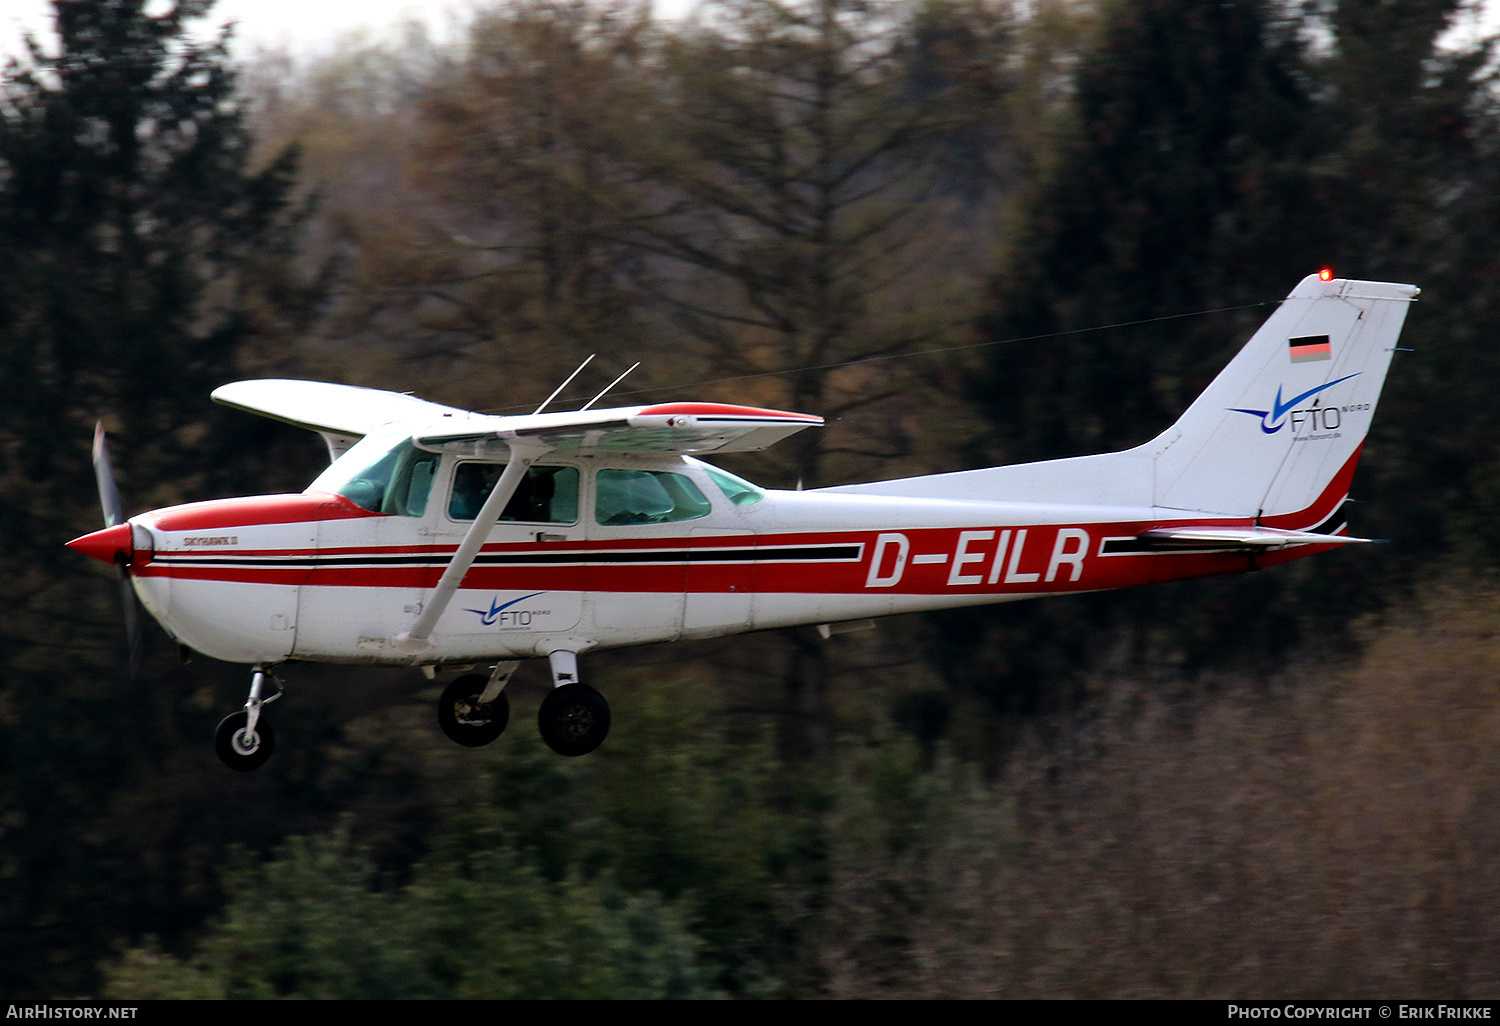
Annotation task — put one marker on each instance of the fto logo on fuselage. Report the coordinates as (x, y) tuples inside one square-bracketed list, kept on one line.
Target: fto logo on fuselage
[(980, 557), (500, 614), (1313, 418)]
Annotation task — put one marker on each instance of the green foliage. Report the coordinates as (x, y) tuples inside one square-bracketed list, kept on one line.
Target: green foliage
[(679, 863), (317, 921)]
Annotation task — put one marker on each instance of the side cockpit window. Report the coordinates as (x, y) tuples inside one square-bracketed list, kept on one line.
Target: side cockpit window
[(546, 495), (411, 483), (646, 497), (383, 478)]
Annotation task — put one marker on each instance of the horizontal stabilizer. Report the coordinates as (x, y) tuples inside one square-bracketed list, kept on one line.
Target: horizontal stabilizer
[(1234, 539)]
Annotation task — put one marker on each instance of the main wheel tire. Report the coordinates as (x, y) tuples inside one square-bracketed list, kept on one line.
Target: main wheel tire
[(573, 719), (239, 751), (464, 719)]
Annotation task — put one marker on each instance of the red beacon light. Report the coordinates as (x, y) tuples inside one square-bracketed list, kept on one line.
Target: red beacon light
[(1326, 274)]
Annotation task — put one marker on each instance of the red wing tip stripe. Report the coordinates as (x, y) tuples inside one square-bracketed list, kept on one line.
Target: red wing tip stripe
[(729, 413), (709, 421)]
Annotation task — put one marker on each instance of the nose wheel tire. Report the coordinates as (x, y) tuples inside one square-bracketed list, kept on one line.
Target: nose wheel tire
[(573, 719), (240, 750), (464, 719)]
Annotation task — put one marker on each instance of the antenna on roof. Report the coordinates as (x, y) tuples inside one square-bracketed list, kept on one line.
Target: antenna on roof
[(564, 385), (612, 384)]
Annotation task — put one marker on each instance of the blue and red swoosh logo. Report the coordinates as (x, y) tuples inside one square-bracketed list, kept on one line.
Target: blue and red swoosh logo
[(1274, 419)]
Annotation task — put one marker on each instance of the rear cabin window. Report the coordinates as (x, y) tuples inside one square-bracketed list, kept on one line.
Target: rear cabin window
[(736, 489), (546, 495), (646, 497)]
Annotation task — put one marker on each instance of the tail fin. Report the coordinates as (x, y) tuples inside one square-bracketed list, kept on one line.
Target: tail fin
[(1273, 436), (1287, 417)]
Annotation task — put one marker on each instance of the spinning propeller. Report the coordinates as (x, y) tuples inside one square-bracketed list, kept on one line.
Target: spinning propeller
[(115, 544)]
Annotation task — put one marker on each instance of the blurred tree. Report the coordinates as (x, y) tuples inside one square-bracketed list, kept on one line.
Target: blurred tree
[(141, 248), (1216, 156), (518, 143), (474, 205), (824, 175), (141, 243), (798, 160), (1411, 185), (1179, 189)]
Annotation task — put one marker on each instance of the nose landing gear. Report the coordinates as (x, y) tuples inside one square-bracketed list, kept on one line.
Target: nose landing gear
[(244, 740)]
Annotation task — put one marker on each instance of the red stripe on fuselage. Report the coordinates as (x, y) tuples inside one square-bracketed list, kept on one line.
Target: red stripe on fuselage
[(1325, 504), (255, 510), (1072, 565), (420, 566)]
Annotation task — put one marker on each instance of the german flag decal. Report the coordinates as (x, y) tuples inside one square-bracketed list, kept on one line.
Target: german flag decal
[(1309, 348)]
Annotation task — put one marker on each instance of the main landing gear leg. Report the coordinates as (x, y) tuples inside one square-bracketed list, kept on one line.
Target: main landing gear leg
[(244, 741), (574, 718), (473, 711)]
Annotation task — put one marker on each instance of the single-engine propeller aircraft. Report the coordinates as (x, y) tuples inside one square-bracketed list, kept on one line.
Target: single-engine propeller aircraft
[(444, 539)]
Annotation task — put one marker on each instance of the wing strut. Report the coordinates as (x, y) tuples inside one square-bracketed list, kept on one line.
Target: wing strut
[(417, 640)]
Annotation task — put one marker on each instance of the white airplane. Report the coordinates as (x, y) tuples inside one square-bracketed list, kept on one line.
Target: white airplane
[(445, 540)]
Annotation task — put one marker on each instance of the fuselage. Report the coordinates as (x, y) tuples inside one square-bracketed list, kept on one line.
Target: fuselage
[(610, 552), (443, 538)]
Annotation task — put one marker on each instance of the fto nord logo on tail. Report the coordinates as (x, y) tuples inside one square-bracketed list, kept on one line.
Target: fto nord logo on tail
[(1274, 419)]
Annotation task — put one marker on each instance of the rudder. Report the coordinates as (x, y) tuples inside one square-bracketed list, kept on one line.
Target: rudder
[(1286, 418)]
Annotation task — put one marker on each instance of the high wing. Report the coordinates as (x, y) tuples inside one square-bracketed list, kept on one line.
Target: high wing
[(680, 429), (342, 414), (326, 407), (345, 413)]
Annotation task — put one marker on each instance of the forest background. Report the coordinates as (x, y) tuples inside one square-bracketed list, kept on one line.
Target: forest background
[(966, 232)]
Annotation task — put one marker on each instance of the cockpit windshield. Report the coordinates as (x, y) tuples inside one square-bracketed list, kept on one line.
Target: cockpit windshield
[(383, 474)]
